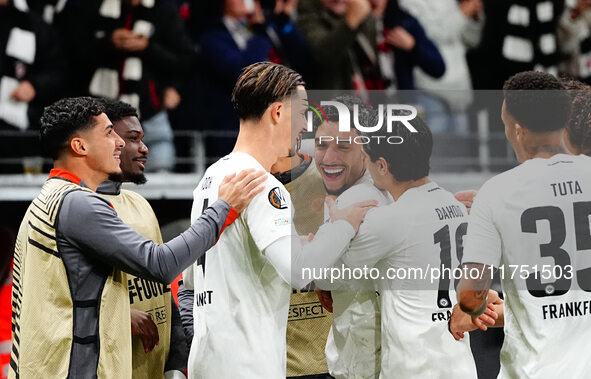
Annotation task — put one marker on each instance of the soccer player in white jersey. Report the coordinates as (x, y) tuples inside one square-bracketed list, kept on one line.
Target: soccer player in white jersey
[(353, 345), (422, 229), (532, 222), (242, 294)]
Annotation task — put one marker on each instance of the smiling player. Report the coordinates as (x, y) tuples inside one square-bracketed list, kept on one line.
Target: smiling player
[(158, 343)]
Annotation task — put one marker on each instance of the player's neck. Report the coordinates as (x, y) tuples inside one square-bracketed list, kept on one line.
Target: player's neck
[(396, 188), (90, 177), (544, 147), (256, 141)]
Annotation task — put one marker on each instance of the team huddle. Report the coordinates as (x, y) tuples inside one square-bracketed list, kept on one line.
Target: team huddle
[(260, 221)]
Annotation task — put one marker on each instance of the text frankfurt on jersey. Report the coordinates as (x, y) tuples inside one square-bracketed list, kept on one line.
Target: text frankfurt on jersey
[(570, 309)]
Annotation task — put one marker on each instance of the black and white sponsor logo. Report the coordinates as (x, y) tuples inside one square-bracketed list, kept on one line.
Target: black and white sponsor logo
[(277, 198)]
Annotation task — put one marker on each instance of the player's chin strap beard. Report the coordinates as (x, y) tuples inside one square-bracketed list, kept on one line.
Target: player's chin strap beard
[(294, 151)]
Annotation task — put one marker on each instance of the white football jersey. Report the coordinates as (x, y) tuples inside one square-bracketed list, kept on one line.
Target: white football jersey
[(533, 223), (241, 303), (353, 344), (422, 230)]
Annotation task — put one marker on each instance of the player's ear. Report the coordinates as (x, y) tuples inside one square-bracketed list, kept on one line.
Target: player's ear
[(382, 166), (520, 131), (79, 146), (277, 110)]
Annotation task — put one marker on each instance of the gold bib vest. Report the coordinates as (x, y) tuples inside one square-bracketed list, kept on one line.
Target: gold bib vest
[(145, 295), (42, 305)]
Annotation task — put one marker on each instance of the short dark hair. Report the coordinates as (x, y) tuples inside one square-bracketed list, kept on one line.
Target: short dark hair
[(62, 119), (116, 110), (260, 85), (366, 113), (537, 100), (408, 160), (573, 84), (578, 127)]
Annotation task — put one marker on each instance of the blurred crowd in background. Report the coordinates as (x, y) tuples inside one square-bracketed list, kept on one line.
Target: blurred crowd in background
[(176, 61)]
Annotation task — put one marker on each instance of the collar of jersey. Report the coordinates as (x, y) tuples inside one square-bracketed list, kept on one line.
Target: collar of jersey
[(294, 173), (109, 187), (64, 174)]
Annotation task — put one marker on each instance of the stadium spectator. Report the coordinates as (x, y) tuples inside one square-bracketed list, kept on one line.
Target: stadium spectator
[(49, 10), (136, 51), (517, 36), (159, 347), (342, 39), (454, 27), (241, 32), (574, 40), (31, 69), (365, 45), (412, 48)]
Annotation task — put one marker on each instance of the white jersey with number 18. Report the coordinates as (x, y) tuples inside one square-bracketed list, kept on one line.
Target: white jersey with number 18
[(533, 223), (241, 303)]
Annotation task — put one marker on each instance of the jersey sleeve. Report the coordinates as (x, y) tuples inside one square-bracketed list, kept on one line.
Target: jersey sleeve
[(268, 215), (482, 243), (89, 223), (379, 235)]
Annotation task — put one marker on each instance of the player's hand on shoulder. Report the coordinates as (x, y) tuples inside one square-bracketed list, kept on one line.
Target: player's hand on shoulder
[(466, 198), (144, 327), (239, 189), (353, 214)]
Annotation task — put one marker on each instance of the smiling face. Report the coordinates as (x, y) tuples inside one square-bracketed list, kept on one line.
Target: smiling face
[(102, 146), (135, 153), (340, 164)]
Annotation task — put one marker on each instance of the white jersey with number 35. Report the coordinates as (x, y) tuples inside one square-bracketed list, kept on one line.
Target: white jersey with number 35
[(533, 223), (241, 303)]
